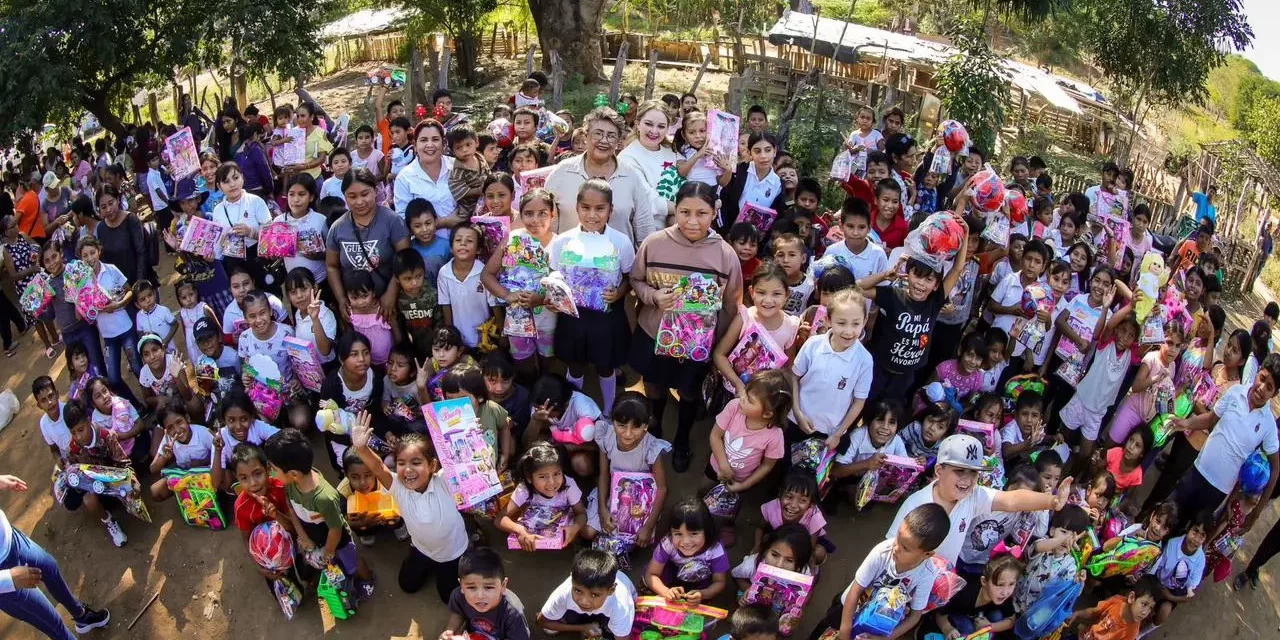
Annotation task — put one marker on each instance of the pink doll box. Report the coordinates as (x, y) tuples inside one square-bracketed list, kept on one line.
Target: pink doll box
[(759, 217), (756, 351), (985, 432), (466, 456), (553, 541), (786, 592), (278, 240), (201, 237), (631, 496), (890, 482), (184, 160), (722, 137), (306, 363)]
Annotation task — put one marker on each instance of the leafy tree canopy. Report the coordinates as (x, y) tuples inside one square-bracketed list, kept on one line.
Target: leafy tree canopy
[(64, 57)]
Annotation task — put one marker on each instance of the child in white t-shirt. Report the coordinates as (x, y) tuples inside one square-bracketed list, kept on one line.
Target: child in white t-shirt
[(691, 142), (184, 446), (154, 317), (832, 374), (870, 443), (596, 600)]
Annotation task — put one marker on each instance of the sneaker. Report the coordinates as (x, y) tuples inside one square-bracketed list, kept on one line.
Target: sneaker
[(365, 539), (92, 619), (402, 533), (1245, 577), (113, 529)]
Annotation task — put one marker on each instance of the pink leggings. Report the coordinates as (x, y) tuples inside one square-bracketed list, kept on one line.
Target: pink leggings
[(1127, 416)]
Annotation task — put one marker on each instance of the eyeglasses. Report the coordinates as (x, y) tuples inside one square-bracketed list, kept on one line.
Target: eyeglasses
[(598, 135)]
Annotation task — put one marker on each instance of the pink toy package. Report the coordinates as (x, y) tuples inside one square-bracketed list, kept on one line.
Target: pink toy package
[(786, 592), (184, 159), (985, 432), (493, 232), (722, 137), (201, 237), (759, 217), (278, 240), (550, 542), (465, 455), (631, 496), (890, 482), (306, 363), (756, 351), (529, 180)]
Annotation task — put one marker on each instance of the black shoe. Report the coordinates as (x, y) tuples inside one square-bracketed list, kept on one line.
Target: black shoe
[(1245, 577), (92, 619), (680, 461)]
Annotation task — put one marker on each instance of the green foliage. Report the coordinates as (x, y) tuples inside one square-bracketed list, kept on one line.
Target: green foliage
[(63, 57), (1024, 10), (1263, 122), (463, 20), (1054, 41), (1161, 53), (972, 84)]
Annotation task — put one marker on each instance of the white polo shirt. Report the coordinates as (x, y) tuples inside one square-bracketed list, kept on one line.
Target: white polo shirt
[(55, 432), (413, 182), (619, 607), (1239, 432), (1007, 293), (830, 380), (466, 299), (964, 515), (872, 259), (435, 527)]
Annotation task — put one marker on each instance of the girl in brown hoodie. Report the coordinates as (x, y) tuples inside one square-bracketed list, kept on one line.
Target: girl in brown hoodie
[(690, 246)]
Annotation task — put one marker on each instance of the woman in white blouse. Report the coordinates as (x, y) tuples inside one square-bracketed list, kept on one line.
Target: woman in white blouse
[(428, 178), (650, 152)]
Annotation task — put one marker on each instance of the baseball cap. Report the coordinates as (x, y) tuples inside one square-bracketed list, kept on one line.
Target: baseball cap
[(203, 328), (50, 180), (961, 451)]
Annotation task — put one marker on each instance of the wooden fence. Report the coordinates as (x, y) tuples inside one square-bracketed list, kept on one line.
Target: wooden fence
[(507, 42)]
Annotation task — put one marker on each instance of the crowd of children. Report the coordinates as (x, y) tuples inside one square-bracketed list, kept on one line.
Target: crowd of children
[(840, 362)]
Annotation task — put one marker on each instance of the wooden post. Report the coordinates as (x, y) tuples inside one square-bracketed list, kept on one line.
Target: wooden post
[(615, 84), (557, 82), (412, 92), (433, 59), (493, 42), (528, 58), (446, 52), (650, 79), (152, 110), (706, 60)]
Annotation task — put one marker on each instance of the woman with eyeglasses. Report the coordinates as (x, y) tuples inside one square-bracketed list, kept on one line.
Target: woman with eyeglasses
[(632, 195)]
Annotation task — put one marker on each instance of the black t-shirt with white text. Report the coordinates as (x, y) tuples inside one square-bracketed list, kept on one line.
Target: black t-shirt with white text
[(900, 342)]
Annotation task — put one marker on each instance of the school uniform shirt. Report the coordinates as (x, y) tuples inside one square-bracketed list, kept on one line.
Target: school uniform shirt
[(696, 571), (1239, 431), (578, 248), (879, 571), (901, 337), (1000, 271), (746, 448), (830, 380), (332, 187), (311, 229), (272, 346), (158, 195), (304, 329), (112, 281), (1178, 572), (861, 448), (1008, 293), (259, 431), (871, 260), (195, 452), (798, 296), (233, 323), (166, 384), (619, 608), (963, 516), (505, 621), (413, 182), (55, 432), (159, 320), (466, 298), (436, 529), (249, 210)]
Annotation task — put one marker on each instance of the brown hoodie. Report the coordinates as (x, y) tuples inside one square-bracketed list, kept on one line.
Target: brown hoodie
[(667, 255)]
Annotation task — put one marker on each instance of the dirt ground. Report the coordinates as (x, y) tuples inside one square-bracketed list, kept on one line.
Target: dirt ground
[(208, 587)]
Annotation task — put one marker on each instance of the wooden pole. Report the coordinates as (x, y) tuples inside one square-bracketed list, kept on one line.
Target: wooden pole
[(152, 110), (706, 60), (650, 78), (528, 58), (615, 84)]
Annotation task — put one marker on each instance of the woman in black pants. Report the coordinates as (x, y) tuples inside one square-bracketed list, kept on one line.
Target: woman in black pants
[(1267, 550), (10, 314)]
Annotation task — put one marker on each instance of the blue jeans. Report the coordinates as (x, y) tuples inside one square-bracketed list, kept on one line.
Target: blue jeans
[(30, 605), (128, 343)]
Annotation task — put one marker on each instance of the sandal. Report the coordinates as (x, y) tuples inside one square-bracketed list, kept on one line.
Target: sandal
[(11, 351)]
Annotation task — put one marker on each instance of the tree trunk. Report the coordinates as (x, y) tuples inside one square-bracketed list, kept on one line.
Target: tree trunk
[(97, 105), (573, 28), (467, 50)]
